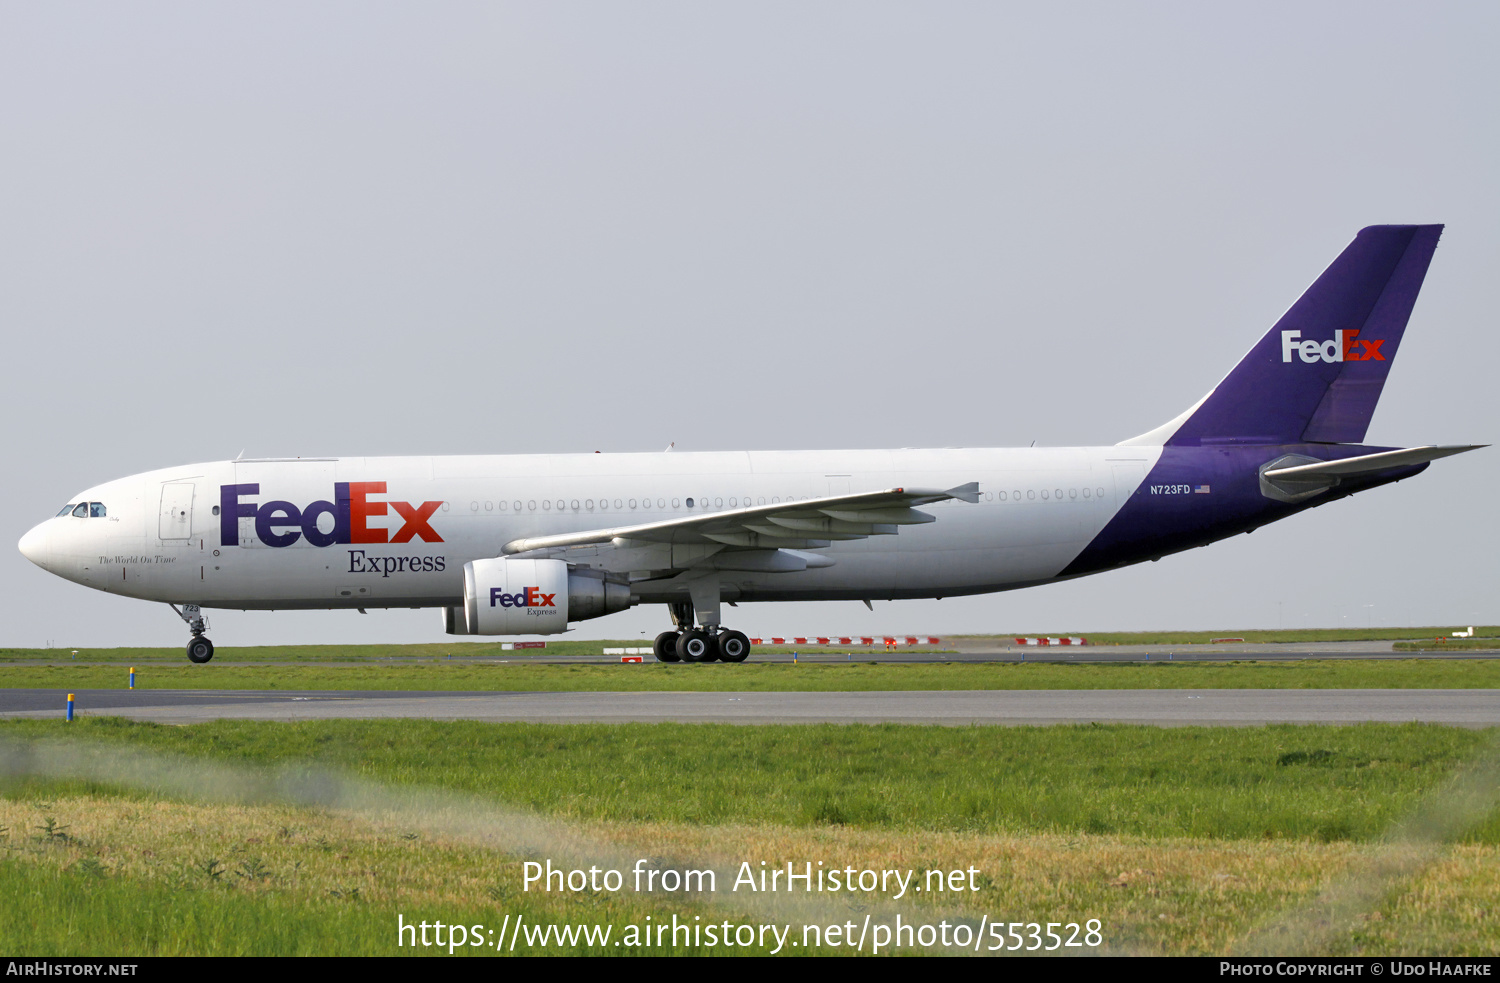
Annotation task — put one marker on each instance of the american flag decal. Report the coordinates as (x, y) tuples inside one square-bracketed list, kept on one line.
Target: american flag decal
[(1200, 489)]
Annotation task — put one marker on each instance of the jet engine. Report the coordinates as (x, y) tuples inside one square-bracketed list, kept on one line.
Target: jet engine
[(505, 596)]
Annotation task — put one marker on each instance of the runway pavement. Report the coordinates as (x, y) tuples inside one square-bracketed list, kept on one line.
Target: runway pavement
[(1167, 708)]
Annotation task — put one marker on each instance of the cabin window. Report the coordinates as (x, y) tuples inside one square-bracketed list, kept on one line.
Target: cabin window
[(531, 506), (588, 503), (689, 503), (1030, 494), (473, 506), (1099, 492), (82, 511), (676, 503), (489, 506)]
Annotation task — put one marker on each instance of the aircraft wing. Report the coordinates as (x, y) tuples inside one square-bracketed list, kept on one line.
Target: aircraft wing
[(808, 523)]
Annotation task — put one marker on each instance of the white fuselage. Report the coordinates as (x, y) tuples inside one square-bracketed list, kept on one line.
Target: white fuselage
[(163, 536)]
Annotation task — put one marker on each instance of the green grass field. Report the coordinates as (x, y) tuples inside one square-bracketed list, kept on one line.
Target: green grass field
[(778, 677), (1328, 783), (1190, 840)]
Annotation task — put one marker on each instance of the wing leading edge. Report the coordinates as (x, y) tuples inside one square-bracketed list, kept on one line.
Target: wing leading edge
[(809, 523)]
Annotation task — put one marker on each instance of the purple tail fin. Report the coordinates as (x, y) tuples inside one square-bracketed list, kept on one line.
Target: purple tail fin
[(1316, 376)]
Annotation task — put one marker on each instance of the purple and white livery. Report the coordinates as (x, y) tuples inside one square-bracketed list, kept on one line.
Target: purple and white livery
[(526, 544)]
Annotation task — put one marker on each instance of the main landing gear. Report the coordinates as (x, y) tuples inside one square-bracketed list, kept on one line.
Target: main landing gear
[(199, 648), (701, 645), (710, 643)]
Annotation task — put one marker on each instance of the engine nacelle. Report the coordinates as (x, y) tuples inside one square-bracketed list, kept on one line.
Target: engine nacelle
[(532, 597)]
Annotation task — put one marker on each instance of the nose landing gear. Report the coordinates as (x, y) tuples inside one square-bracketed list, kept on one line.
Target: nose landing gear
[(199, 648)]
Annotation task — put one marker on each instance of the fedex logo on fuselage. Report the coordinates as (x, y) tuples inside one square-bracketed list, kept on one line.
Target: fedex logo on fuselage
[(282, 523), (531, 597), (1346, 346)]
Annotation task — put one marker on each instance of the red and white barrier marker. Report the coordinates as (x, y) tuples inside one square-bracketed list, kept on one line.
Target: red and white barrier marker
[(1052, 641), (630, 658)]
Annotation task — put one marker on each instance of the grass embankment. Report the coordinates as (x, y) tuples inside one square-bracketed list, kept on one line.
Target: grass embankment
[(1449, 645), (778, 677), (1329, 783), (1189, 840)]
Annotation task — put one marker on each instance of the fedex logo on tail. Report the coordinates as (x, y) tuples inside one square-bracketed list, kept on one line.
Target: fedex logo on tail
[(1346, 346), (531, 597), (282, 523)]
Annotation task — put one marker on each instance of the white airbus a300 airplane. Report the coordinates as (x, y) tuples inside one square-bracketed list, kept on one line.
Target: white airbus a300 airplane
[(522, 545)]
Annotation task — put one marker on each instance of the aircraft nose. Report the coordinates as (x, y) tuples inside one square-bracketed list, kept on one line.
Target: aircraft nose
[(34, 546)]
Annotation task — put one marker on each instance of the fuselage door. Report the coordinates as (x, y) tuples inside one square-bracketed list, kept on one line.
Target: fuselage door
[(176, 521)]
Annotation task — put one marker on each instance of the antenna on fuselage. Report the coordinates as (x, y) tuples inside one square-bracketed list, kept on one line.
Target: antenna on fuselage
[(670, 446), (241, 455)]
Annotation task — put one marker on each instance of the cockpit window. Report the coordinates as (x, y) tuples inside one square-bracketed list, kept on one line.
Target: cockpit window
[(66, 509), (82, 511), (96, 510)]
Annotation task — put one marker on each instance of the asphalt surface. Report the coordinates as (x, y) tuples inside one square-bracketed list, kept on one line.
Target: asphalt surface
[(1167, 708), (982, 649)]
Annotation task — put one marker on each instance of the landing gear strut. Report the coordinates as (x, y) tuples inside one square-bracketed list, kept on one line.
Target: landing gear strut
[(199, 648)]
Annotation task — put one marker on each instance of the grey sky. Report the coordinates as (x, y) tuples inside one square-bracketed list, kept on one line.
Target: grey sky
[(369, 229)]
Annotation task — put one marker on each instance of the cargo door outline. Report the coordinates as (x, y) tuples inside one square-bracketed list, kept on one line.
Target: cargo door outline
[(175, 519)]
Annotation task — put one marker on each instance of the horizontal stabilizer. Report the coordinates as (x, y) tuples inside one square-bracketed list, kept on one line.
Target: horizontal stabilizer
[(1367, 464)]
